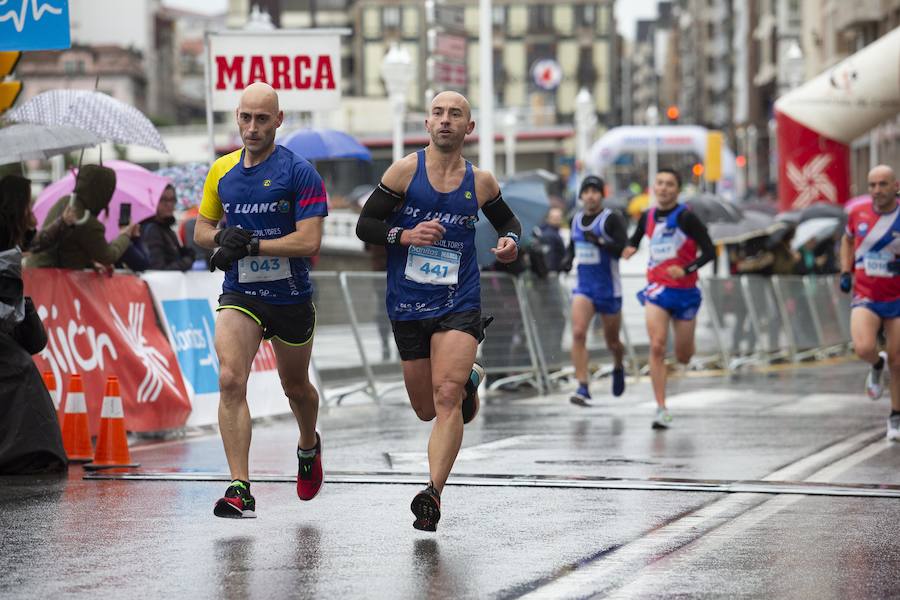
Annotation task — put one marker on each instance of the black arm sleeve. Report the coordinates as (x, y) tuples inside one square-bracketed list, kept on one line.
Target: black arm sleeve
[(694, 227), (501, 217), (638, 234), (616, 229), (372, 227)]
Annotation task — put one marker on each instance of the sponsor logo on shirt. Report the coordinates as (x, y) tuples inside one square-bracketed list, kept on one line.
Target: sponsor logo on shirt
[(251, 208)]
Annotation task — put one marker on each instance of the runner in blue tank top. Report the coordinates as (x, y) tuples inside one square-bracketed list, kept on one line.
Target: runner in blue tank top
[(424, 211), (272, 204), (598, 237)]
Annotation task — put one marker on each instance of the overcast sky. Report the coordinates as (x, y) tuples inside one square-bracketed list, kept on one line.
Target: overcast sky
[(627, 11)]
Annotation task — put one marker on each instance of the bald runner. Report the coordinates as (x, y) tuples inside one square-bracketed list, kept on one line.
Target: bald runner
[(262, 211)]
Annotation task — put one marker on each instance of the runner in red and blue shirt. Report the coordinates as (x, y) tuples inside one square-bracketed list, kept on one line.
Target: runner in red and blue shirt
[(676, 234), (870, 265)]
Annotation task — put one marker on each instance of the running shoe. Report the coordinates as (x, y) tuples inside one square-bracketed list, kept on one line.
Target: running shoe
[(893, 431), (310, 474), (663, 419), (618, 381), (874, 387), (470, 403), (581, 397), (427, 508), (237, 502)]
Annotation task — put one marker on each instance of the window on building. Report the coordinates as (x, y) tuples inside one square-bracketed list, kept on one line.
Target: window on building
[(498, 17), (585, 15), (72, 67), (540, 18), (587, 72), (390, 17)]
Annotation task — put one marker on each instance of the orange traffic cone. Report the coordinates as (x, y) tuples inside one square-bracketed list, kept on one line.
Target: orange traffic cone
[(112, 444), (50, 383), (75, 433)]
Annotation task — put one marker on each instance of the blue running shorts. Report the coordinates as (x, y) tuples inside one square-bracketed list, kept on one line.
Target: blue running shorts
[(681, 303), (889, 309), (605, 305)]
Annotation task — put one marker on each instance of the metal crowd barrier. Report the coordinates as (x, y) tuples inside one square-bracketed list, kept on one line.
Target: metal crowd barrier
[(744, 320)]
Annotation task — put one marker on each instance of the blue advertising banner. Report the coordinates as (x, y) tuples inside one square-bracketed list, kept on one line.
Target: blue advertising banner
[(192, 324), (34, 25)]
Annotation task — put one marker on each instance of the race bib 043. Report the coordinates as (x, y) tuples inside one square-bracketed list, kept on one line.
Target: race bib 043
[(254, 269), (432, 265)]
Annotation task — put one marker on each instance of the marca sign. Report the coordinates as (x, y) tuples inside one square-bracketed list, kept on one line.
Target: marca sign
[(304, 67)]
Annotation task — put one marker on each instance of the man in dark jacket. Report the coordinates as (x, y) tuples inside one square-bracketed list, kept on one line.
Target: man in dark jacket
[(165, 251)]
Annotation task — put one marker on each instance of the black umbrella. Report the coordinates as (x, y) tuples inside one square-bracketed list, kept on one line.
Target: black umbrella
[(823, 210), (714, 209)]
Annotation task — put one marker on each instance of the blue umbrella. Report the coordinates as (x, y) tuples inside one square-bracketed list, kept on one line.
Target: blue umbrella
[(325, 144), (528, 200)]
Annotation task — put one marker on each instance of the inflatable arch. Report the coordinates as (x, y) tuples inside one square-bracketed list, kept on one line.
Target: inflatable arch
[(669, 139), (817, 122)]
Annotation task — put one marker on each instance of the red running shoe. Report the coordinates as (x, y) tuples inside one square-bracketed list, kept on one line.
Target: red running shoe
[(427, 508), (310, 474)]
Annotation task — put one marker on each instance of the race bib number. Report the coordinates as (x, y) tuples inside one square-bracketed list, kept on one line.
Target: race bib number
[(587, 253), (432, 265), (662, 250), (876, 264), (254, 269)]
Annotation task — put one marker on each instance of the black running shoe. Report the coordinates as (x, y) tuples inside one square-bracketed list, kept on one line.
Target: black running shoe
[(471, 403), (237, 502), (618, 381), (427, 508)]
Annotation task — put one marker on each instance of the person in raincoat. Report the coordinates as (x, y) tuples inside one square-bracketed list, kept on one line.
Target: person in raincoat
[(30, 440), (86, 244)]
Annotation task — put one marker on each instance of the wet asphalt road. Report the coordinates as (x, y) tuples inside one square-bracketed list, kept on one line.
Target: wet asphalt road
[(70, 537)]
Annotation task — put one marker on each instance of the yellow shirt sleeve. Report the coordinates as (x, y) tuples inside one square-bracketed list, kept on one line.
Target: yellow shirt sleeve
[(211, 205)]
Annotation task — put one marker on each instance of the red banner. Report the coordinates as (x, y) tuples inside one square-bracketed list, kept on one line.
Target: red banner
[(99, 326)]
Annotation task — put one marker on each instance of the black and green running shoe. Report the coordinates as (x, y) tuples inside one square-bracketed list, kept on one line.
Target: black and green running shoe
[(237, 502)]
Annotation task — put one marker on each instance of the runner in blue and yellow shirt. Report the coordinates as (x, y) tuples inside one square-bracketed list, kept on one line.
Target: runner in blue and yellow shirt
[(273, 203)]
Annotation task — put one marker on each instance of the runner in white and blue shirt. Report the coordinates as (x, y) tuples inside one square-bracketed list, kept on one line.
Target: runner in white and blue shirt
[(598, 237)]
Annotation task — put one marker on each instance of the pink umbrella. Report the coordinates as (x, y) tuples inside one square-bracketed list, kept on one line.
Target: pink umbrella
[(134, 184)]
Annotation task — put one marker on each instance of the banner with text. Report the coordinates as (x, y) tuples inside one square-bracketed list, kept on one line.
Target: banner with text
[(99, 326), (186, 304), (304, 67)]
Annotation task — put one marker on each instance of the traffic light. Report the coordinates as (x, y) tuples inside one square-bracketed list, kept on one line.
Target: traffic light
[(672, 113), (9, 90), (697, 170), (741, 161)]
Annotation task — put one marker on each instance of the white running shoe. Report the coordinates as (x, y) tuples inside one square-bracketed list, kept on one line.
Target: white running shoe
[(893, 432), (874, 386), (663, 419)]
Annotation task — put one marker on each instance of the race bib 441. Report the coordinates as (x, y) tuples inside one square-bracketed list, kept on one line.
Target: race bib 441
[(432, 265)]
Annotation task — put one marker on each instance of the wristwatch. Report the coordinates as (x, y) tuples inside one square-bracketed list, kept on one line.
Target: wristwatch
[(254, 246)]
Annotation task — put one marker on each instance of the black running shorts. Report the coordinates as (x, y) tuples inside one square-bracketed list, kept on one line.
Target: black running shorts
[(414, 337), (291, 324)]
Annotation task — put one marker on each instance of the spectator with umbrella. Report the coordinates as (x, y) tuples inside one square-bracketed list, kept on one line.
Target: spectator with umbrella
[(86, 243)]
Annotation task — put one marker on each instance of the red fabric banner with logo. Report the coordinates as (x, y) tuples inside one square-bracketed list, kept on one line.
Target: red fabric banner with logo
[(99, 326)]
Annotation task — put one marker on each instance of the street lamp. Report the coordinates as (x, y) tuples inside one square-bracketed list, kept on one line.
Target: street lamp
[(652, 118), (397, 73), (585, 120), (510, 128)]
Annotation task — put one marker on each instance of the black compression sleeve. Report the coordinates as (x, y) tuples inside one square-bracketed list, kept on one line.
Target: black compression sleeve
[(616, 229), (501, 217), (371, 227), (694, 227), (638, 234)]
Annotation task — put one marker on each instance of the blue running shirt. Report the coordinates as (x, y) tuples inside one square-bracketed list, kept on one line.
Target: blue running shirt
[(424, 282), (268, 198), (598, 270)]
